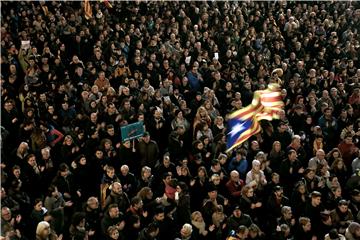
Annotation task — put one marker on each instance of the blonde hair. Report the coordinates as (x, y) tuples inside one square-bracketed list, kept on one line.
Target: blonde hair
[(41, 227)]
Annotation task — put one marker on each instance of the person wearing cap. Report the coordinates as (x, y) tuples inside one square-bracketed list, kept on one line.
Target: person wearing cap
[(342, 216), (148, 151), (237, 219)]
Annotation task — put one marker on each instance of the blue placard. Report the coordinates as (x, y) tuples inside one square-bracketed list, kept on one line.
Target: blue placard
[(131, 131)]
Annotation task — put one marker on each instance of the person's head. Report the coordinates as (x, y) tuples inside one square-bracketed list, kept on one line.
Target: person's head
[(31, 159), (23, 147), (45, 153), (309, 173), (286, 212), (254, 145), (202, 173), (78, 219), (63, 170), (285, 230), (92, 203), (68, 140), (343, 206), (215, 179), (181, 187), (254, 231), (197, 216), (110, 172), (260, 156), (328, 112), (278, 191), (116, 187), (315, 198), (215, 164), (305, 224), (145, 172), (237, 211), (256, 165), (159, 214), (354, 229), (16, 170), (300, 187), (320, 154), (242, 232), (348, 139), (282, 127), (166, 160), (296, 141), (152, 230), (146, 137), (355, 195), (212, 191), (124, 170), (234, 176), (6, 213), (222, 158), (136, 202), (247, 191), (43, 230), (186, 230), (113, 232), (292, 155), (113, 210), (38, 204)]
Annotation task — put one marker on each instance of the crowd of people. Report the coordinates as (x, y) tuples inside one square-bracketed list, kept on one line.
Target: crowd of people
[(70, 82)]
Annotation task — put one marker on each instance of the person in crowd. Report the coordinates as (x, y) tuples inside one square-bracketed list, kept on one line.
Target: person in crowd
[(74, 76)]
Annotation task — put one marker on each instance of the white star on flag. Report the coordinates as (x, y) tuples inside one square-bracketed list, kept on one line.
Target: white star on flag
[(237, 128)]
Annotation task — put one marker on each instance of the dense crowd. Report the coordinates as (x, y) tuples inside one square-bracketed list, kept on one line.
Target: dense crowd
[(68, 85)]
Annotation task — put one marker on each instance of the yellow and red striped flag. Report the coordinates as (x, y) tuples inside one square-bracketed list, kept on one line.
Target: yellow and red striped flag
[(244, 123)]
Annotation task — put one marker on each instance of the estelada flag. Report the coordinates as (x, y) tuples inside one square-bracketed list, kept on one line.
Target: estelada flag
[(244, 123)]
